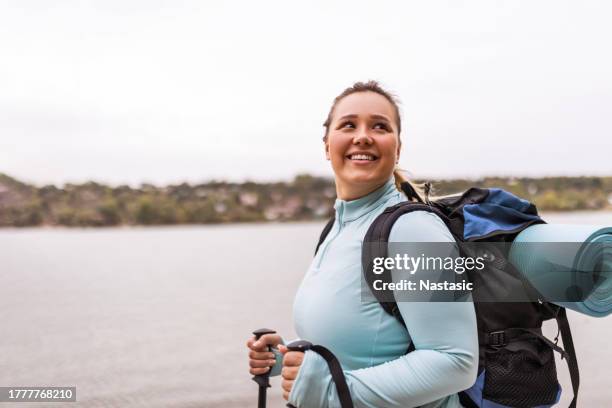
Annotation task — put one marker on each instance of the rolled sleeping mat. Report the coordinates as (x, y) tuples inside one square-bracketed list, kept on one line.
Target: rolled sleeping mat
[(565, 263)]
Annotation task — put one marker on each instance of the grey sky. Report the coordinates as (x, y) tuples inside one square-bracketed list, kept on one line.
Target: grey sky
[(165, 91)]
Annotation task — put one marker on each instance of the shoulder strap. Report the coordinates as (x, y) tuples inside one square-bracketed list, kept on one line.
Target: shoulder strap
[(324, 233), (570, 353), (375, 245)]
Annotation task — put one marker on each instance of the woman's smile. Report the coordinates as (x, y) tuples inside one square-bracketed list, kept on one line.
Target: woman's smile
[(361, 158)]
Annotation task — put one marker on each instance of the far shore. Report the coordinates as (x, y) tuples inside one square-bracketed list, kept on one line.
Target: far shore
[(305, 198), (607, 214)]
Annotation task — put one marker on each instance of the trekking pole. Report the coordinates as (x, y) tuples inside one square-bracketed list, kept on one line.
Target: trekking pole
[(263, 380)]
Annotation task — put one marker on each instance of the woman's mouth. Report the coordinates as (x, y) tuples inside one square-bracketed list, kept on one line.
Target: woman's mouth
[(361, 157)]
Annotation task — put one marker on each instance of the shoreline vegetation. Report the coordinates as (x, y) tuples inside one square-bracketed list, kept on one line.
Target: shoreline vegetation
[(305, 198)]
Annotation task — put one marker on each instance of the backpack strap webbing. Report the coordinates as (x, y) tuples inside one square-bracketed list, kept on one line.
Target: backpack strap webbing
[(466, 401), (325, 232), (501, 338), (337, 374), (335, 369), (568, 345), (375, 245)]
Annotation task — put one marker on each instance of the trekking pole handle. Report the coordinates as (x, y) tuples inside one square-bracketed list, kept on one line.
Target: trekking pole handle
[(301, 346), (263, 379), (260, 332)]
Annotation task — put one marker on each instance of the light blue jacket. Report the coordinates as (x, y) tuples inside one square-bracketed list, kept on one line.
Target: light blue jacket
[(370, 344)]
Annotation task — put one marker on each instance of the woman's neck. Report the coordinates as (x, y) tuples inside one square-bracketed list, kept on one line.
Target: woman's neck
[(355, 192)]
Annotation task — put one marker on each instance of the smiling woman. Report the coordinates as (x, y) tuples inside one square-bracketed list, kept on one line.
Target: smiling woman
[(362, 142)]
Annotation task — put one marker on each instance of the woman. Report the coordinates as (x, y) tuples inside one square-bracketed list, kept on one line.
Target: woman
[(362, 141)]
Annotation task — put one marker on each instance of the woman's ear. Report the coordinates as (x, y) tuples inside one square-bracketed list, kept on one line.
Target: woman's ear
[(399, 149), (327, 149)]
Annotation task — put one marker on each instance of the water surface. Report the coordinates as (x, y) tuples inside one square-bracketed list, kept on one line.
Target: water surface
[(158, 317)]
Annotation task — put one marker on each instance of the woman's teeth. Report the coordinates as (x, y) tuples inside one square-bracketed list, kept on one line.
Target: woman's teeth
[(361, 157)]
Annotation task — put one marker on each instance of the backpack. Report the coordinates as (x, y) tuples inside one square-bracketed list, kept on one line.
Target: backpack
[(516, 365)]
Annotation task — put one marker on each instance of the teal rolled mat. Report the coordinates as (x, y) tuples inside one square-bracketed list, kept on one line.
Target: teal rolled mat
[(561, 260)]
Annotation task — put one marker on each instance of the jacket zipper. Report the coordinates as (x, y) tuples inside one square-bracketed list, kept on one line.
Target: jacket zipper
[(329, 242)]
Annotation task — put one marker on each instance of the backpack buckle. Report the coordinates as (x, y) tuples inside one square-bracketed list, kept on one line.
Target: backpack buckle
[(497, 339)]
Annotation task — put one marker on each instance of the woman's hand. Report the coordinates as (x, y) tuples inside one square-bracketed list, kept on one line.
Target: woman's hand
[(260, 358), (292, 361)]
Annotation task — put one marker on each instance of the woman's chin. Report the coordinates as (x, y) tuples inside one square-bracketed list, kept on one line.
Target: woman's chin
[(365, 179)]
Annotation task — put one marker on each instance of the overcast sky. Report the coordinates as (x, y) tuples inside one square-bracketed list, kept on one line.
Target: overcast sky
[(165, 91)]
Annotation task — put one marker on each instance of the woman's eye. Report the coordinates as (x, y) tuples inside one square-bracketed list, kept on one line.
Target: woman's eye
[(382, 126), (347, 125)]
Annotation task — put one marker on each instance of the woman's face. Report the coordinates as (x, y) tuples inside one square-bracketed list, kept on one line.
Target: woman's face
[(362, 144)]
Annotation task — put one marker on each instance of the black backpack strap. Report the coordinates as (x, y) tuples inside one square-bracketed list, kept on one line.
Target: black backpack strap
[(324, 233), (337, 375), (334, 366), (466, 401), (375, 245), (500, 338), (568, 345)]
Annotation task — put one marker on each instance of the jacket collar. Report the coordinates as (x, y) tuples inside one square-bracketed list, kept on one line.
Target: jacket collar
[(353, 209)]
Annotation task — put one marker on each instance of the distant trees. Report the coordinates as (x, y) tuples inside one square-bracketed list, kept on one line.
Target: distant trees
[(27, 215), (109, 211), (305, 198)]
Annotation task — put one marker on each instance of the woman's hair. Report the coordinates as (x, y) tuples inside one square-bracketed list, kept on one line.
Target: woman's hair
[(398, 174)]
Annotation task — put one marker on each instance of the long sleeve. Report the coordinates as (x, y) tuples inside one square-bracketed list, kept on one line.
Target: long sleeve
[(444, 336)]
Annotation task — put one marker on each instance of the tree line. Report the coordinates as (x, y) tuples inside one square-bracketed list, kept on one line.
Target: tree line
[(304, 198)]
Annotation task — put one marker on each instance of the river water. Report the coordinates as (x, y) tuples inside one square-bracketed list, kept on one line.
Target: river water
[(158, 317)]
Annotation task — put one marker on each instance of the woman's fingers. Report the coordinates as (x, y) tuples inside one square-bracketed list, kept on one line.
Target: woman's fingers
[(293, 358), (289, 373), (264, 342), (261, 363), (259, 371), (286, 385), (261, 355)]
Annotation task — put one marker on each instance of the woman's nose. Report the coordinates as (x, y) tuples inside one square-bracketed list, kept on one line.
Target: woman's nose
[(362, 137)]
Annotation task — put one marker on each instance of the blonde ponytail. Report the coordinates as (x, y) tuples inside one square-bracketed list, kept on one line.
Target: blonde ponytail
[(414, 191)]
